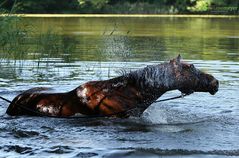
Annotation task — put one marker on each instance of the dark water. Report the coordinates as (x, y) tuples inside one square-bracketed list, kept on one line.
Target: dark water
[(199, 125)]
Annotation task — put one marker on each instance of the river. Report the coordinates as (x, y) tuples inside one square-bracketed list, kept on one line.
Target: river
[(65, 52)]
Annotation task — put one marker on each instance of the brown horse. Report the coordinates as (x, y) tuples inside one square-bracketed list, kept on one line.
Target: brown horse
[(134, 90)]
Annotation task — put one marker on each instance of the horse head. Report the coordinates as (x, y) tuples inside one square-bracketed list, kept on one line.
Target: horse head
[(190, 79)]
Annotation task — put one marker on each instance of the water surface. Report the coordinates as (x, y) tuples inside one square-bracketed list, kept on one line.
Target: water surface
[(84, 49)]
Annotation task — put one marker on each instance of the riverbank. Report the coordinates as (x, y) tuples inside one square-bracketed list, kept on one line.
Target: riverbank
[(123, 15)]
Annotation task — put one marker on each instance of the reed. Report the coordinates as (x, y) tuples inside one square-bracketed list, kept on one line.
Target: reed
[(20, 41), (13, 38)]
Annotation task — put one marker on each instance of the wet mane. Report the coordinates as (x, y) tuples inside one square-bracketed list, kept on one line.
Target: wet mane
[(153, 76)]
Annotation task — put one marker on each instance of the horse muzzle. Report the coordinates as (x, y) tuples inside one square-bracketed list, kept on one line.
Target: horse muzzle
[(213, 86)]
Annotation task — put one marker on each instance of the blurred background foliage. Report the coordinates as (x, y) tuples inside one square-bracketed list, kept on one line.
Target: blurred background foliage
[(122, 6)]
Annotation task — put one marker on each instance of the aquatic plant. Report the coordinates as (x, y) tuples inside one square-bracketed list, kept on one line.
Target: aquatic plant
[(13, 37), (20, 41)]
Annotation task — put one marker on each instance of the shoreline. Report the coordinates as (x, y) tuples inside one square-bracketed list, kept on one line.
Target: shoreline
[(120, 15)]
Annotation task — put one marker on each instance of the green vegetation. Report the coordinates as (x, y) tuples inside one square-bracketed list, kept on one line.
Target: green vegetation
[(122, 6), (215, 6), (13, 37), (19, 40)]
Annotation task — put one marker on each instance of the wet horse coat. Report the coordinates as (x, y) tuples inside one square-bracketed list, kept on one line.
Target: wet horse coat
[(135, 90)]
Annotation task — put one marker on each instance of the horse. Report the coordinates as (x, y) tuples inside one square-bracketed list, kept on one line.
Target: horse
[(135, 90)]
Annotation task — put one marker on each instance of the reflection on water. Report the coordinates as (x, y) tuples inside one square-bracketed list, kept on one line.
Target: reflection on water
[(134, 39), (145, 38), (78, 50)]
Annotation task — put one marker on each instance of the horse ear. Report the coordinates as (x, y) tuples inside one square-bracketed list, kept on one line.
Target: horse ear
[(178, 59)]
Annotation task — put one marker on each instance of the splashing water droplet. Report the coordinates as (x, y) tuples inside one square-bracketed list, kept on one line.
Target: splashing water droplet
[(155, 115)]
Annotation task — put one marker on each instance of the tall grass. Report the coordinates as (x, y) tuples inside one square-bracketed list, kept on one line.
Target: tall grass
[(20, 41), (13, 38)]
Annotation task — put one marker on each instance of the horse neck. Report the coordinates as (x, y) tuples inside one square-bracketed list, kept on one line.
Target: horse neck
[(155, 79)]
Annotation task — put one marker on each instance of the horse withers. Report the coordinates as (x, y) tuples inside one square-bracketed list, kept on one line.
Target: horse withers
[(135, 90)]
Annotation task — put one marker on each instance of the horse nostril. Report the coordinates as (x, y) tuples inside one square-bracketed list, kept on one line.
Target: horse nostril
[(214, 86)]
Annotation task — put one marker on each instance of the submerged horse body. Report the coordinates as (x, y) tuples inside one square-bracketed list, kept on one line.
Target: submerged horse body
[(135, 90)]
